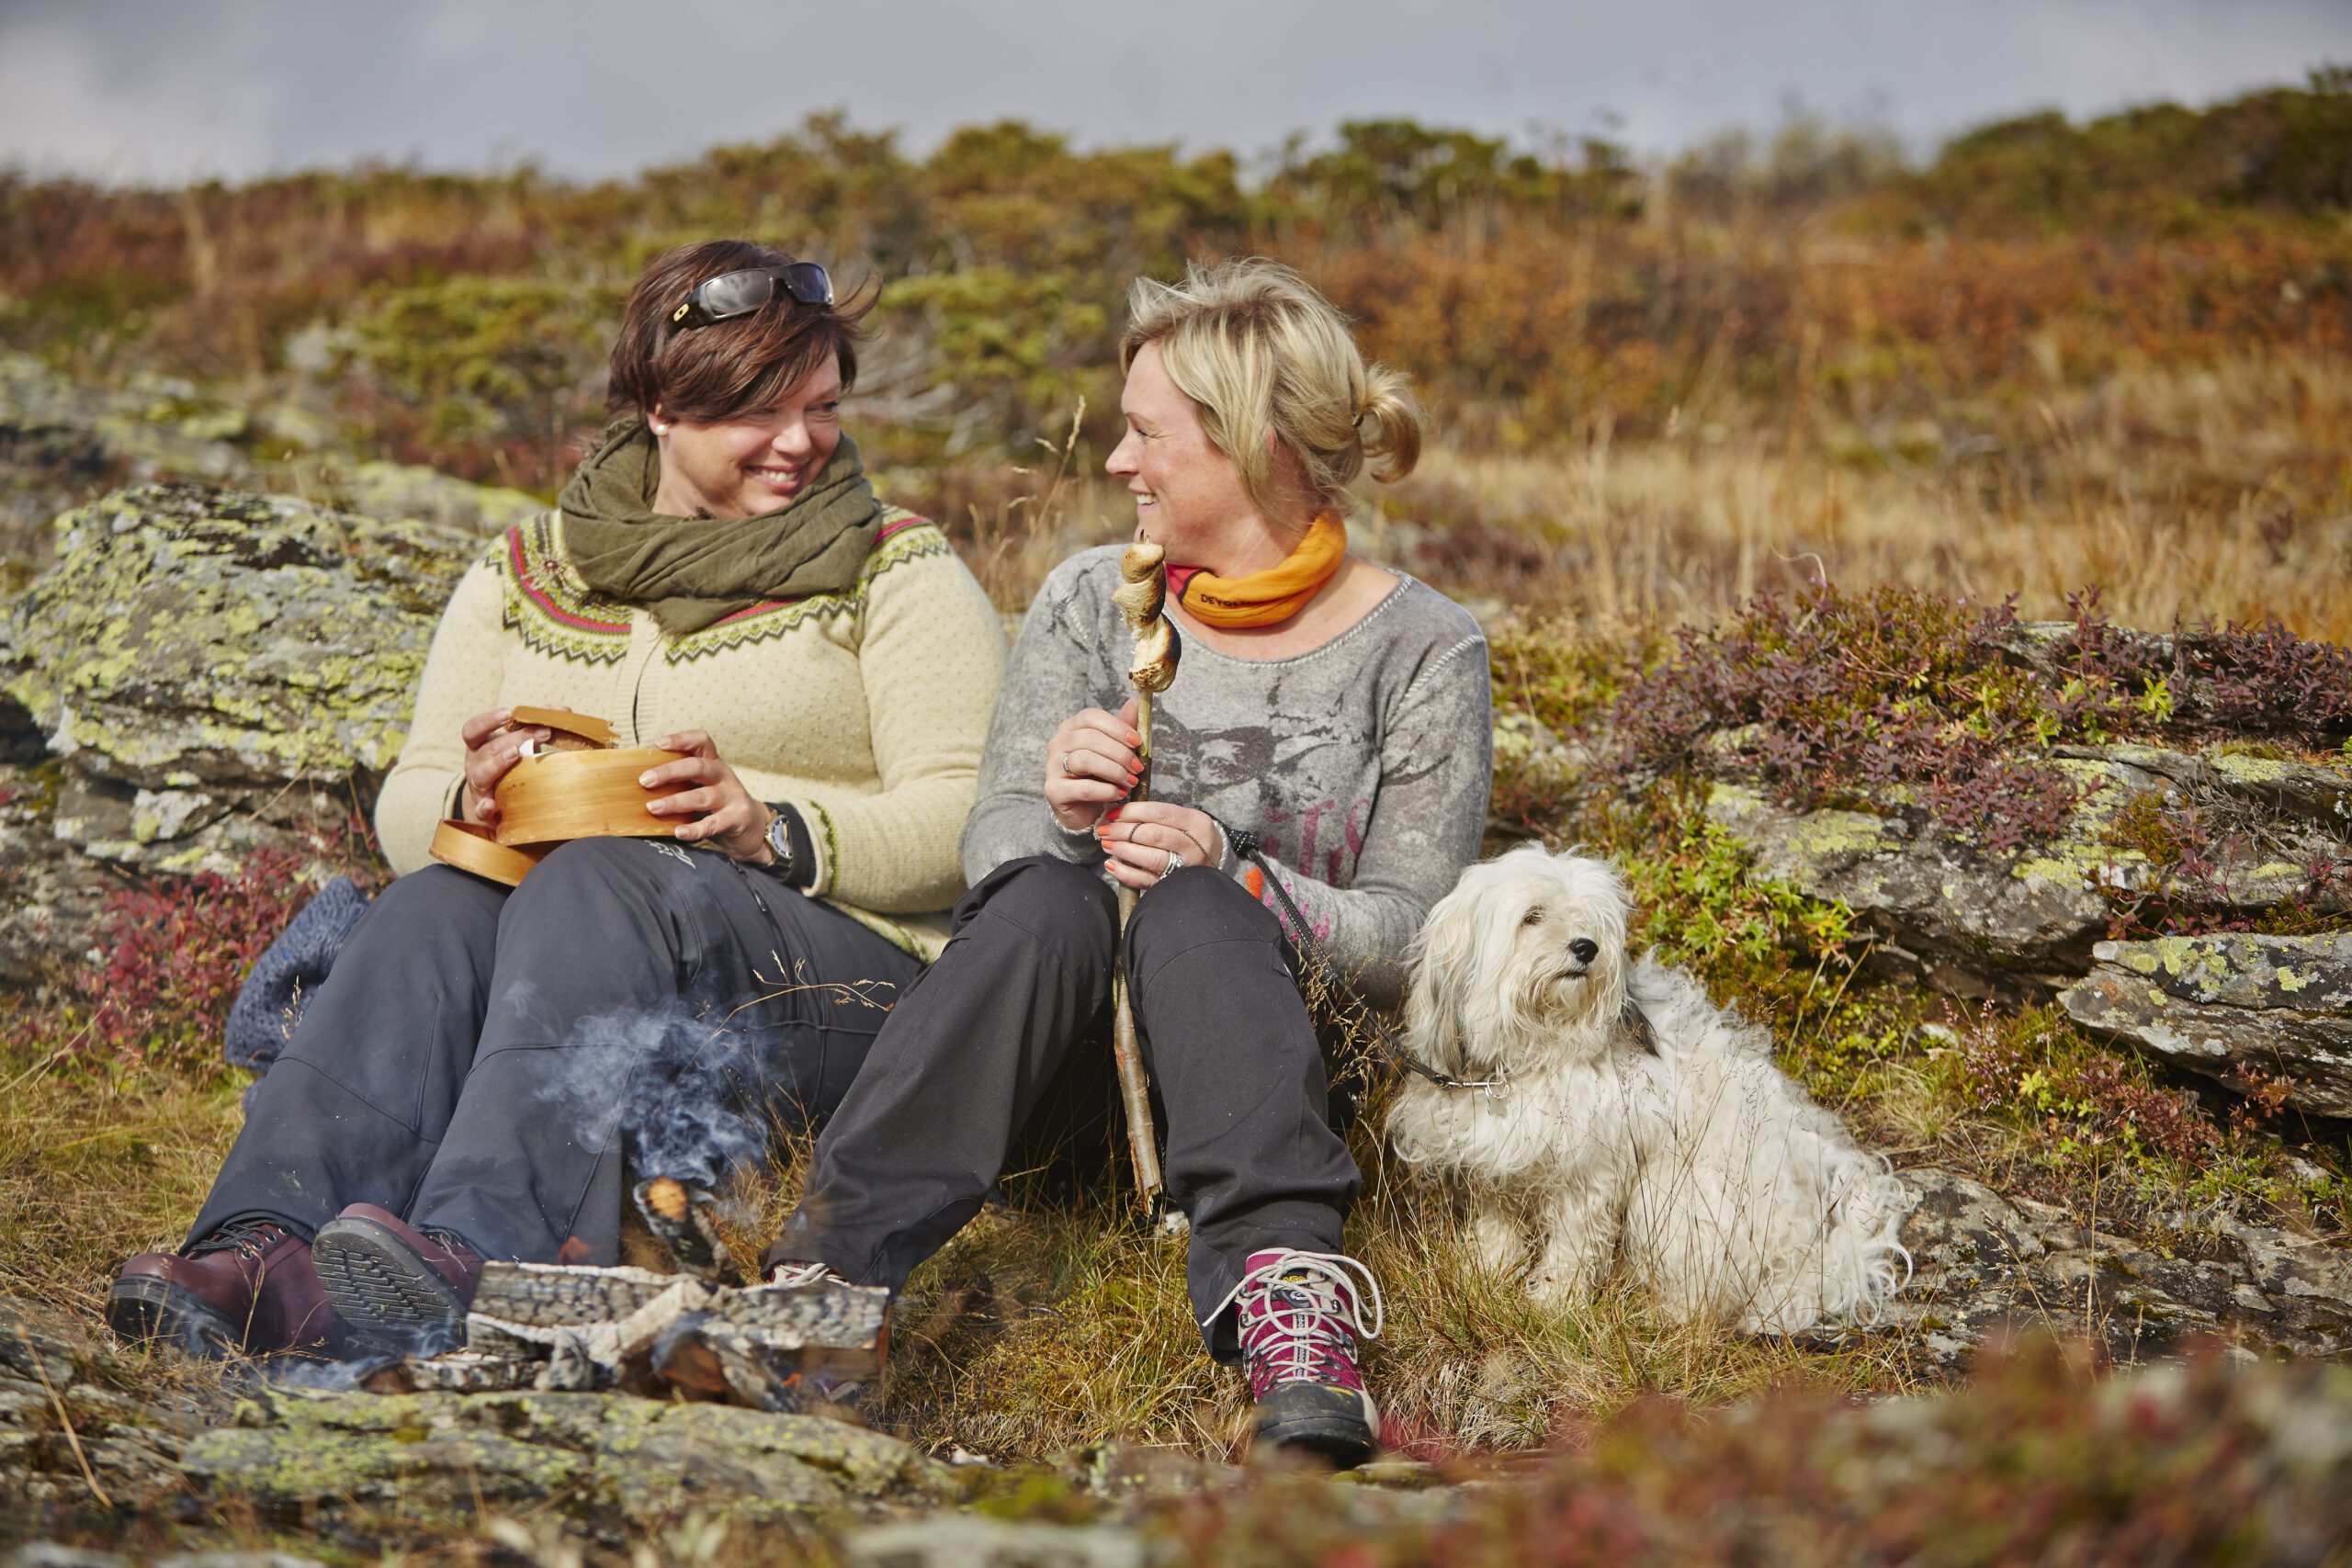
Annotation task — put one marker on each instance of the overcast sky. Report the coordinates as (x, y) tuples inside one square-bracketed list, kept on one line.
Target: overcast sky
[(159, 90)]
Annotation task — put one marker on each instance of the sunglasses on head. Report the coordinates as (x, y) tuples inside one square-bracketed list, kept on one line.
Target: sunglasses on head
[(732, 294)]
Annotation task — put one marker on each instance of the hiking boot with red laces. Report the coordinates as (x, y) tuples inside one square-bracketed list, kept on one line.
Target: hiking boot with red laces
[(1300, 1318), (249, 1287), (397, 1286)]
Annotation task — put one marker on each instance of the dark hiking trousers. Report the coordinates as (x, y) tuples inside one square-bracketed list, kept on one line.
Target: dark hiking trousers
[(479, 1058), (970, 1052)]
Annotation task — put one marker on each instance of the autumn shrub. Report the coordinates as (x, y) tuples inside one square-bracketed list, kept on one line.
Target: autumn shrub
[(1926, 703), (1535, 291), (170, 955)]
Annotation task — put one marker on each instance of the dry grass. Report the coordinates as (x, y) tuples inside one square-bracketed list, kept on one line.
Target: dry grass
[(96, 1165), (1040, 1329), (1050, 1325)]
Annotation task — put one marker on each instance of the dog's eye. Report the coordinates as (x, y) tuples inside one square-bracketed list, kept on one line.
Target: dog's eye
[(1532, 918)]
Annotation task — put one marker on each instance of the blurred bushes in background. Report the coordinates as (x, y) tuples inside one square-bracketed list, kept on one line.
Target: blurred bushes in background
[(1538, 292)]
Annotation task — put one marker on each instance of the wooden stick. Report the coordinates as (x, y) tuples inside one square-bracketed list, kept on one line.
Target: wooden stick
[(1142, 599)]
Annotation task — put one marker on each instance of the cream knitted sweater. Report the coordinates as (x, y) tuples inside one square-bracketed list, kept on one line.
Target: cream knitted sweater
[(865, 710)]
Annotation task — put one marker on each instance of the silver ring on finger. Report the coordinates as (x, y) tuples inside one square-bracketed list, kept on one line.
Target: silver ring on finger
[(1068, 772), (1175, 863)]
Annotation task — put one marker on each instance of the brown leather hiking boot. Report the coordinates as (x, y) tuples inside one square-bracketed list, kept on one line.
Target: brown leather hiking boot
[(247, 1287), (398, 1287)]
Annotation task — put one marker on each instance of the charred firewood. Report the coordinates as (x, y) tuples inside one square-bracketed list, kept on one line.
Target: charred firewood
[(684, 1219), (458, 1372), (578, 1328)]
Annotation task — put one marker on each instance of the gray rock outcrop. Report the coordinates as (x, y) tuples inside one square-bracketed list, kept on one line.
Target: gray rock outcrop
[(61, 443), (1979, 924), (2244, 1009), (208, 672), (1987, 1267)]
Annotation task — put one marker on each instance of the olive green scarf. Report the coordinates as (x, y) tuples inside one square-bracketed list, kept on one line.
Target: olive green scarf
[(690, 571)]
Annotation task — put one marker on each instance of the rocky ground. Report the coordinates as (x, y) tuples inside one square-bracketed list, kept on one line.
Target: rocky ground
[(197, 674), (248, 1471)]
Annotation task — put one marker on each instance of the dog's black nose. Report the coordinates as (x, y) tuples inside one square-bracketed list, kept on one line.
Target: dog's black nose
[(1584, 949)]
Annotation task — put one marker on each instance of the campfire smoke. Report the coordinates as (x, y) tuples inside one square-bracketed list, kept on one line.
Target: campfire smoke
[(677, 1087)]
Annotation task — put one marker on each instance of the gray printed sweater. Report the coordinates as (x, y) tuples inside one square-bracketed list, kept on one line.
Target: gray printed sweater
[(1363, 766)]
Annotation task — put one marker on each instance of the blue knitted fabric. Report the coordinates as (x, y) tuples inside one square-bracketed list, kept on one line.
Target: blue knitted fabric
[(286, 976)]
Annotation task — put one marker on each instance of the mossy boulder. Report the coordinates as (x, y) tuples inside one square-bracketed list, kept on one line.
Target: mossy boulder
[(2247, 1009), (601, 1459)]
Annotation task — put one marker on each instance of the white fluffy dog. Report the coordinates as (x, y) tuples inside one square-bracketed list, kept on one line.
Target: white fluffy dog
[(1624, 1113)]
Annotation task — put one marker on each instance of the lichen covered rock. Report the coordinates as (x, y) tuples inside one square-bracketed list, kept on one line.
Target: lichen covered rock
[(440, 1457), (2246, 1009), (1988, 1269), (427, 495), (190, 636), (1978, 923)]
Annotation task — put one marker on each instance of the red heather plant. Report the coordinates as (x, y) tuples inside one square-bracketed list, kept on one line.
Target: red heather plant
[(1950, 707), (2036, 1067), (1830, 696), (2211, 680), (172, 955)]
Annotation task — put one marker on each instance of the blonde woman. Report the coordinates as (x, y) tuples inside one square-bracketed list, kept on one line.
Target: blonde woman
[(1333, 712)]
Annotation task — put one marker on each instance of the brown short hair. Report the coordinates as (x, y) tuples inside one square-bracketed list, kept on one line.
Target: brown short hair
[(728, 367)]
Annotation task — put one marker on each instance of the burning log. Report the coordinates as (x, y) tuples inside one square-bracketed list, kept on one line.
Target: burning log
[(685, 1220)]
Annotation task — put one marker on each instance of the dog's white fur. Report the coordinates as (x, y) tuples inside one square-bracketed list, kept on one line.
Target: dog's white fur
[(1728, 1193)]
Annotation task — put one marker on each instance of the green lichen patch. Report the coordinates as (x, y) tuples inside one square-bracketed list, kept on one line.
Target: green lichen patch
[(188, 633), (438, 1457)]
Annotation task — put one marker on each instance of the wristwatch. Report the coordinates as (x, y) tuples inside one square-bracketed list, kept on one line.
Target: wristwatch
[(780, 844)]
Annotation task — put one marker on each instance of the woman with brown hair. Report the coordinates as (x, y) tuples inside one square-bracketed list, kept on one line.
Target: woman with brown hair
[(718, 579)]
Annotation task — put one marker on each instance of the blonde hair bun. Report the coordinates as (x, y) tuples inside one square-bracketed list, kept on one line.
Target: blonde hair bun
[(1266, 355)]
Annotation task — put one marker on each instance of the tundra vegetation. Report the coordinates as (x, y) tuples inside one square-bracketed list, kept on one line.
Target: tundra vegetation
[(1993, 510)]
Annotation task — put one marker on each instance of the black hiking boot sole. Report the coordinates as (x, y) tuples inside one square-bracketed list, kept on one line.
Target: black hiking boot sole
[(148, 1311), (1316, 1421), (389, 1296)]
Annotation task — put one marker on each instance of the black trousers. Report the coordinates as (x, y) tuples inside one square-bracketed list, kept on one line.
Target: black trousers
[(966, 1060), (482, 1060)]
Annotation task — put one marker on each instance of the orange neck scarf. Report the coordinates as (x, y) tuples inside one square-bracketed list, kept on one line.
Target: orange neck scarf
[(1263, 598)]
